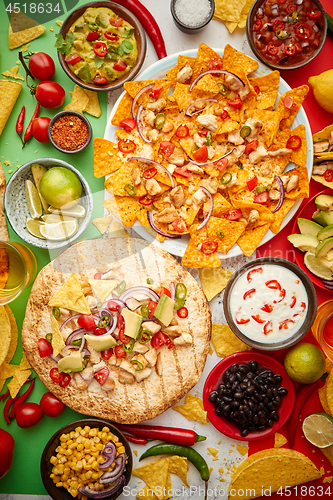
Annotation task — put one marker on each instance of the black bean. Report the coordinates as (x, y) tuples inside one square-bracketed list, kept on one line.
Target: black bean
[(240, 376), (218, 411), (255, 419), (232, 378), (235, 404), (244, 432), (228, 385), (253, 366), (278, 379), (244, 368), (260, 380), (259, 397), (220, 392), (271, 380), (249, 390), (212, 396), (233, 368), (251, 404), (262, 420), (217, 401), (260, 406), (277, 402), (243, 386), (226, 399), (261, 428), (250, 375), (282, 391), (270, 422), (275, 391), (265, 401), (235, 385), (226, 376), (269, 393), (238, 395), (227, 408)]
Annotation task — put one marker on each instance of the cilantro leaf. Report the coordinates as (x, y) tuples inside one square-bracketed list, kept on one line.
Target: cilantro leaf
[(64, 46), (125, 47)]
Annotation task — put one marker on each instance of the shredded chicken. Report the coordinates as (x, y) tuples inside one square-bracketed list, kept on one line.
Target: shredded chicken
[(95, 357), (177, 158), (141, 348), (152, 327), (142, 374), (274, 194), (253, 216), (136, 178), (99, 366), (152, 187), (167, 127), (174, 331), (132, 304), (278, 152), (177, 196), (153, 135), (320, 147), (195, 169), (211, 184), (167, 215), (255, 126), (322, 167), (157, 106), (243, 92), (126, 377), (151, 357), (109, 384), (199, 197), (149, 117), (211, 152), (141, 359), (233, 83), (293, 183), (235, 138), (146, 151), (259, 154), (184, 74), (127, 366), (159, 365), (185, 338), (208, 121), (80, 383), (199, 140)]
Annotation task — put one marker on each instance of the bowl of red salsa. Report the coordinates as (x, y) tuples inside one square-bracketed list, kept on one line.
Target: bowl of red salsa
[(286, 34)]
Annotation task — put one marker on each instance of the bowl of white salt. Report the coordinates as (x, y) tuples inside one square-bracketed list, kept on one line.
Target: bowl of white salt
[(192, 16)]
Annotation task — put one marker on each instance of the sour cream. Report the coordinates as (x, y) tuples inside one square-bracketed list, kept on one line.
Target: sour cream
[(268, 303)]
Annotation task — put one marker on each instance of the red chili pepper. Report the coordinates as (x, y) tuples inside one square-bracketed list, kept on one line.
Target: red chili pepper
[(267, 308), (314, 14), (278, 25), (135, 440), (284, 324), (4, 396), (290, 50), (282, 296), (303, 31), (268, 328), (182, 312), (22, 398), (293, 301), (182, 131), (111, 36), (28, 132), (257, 25), (257, 318), (100, 49), (273, 285), (256, 89), (126, 146), (149, 173), (19, 123), (253, 271), (328, 175), (174, 435), (294, 142), (145, 200), (272, 49), (209, 247), (303, 393), (242, 321), (8, 404), (249, 293), (224, 114)]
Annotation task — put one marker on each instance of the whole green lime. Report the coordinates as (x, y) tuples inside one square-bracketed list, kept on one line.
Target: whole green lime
[(60, 186), (305, 363)]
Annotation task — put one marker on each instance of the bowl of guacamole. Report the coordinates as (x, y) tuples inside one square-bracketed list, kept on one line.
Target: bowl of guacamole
[(101, 45)]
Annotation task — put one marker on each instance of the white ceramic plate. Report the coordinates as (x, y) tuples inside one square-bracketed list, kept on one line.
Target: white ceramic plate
[(159, 70)]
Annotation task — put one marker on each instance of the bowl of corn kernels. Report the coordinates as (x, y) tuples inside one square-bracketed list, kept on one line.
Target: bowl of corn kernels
[(88, 458)]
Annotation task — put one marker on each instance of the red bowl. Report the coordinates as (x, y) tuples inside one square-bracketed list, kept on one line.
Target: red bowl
[(306, 213), (229, 428)]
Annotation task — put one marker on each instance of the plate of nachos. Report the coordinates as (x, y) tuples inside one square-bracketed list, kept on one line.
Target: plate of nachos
[(209, 155)]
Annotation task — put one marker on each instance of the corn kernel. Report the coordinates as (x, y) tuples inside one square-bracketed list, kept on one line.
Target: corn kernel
[(69, 452), (71, 434), (56, 479), (53, 460), (121, 449), (93, 432), (95, 476), (95, 465), (58, 485), (95, 454), (87, 444), (67, 471), (74, 485), (80, 447), (100, 459), (104, 436), (99, 447), (64, 477), (72, 446), (60, 468), (65, 484), (63, 438), (88, 474)]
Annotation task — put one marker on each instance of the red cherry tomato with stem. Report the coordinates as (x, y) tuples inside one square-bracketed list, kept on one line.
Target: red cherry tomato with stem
[(28, 415), (40, 127), (50, 405), (41, 66)]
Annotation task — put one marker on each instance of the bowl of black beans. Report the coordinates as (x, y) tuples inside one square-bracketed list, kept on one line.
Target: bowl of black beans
[(248, 396)]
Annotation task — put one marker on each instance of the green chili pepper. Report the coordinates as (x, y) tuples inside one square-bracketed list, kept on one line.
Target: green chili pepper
[(220, 234), (160, 121), (56, 312), (130, 189), (144, 336), (194, 149), (138, 366), (245, 131), (99, 304), (260, 189), (104, 321), (77, 342), (293, 17), (282, 34), (121, 287), (48, 337), (223, 88), (85, 361), (181, 291), (129, 346), (179, 303), (144, 311), (184, 451), (93, 26), (226, 178), (150, 281), (209, 139)]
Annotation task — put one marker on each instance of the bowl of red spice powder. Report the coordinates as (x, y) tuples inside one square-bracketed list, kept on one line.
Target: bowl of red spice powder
[(70, 132)]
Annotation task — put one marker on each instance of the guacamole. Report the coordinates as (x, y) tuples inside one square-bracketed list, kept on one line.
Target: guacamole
[(103, 46)]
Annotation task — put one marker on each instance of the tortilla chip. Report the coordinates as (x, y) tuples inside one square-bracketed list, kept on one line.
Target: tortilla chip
[(178, 466), (268, 89), (321, 180), (328, 452), (154, 474), (24, 364), (102, 223), (225, 232), (9, 92), (4, 236), (181, 63), (123, 110), (227, 10), (298, 95), (106, 159), (299, 155), (213, 281), (225, 341), (23, 29), (102, 288), (279, 440), (236, 61), (192, 409), (323, 135), (92, 108), (13, 334), (70, 296), (302, 190), (118, 181), (329, 392), (242, 449), (117, 230), (280, 214), (13, 73), (196, 258), (57, 342), (124, 208), (17, 381), (79, 100), (251, 238), (5, 334)]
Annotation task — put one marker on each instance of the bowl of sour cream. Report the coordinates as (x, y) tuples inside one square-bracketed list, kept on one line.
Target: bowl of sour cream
[(270, 304)]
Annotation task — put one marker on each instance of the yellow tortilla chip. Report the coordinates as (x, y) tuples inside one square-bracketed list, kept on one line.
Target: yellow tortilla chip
[(124, 208), (193, 257), (323, 135), (251, 238), (322, 393), (298, 95), (280, 214), (24, 365), (268, 89), (92, 108), (123, 110), (192, 409), (242, 449), (23, 29), (329, 391), (9, 92), (204, 56), (225, 341), (79, 100), (7, 370), (213, 281), (299, 155), (102, 288), (236, 61), (279, 440), (102, 223), (179, 465), (302, 189), (225, 232), (13, 73), (57, 342), (17, 381), (70, 296), (119, 181), (117, 230), (328, 452), (227, 10), (13, 334), (155, 475), (5, 334), (106, 158)]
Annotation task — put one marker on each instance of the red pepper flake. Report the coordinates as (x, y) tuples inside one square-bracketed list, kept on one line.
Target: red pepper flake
[(69, 132)]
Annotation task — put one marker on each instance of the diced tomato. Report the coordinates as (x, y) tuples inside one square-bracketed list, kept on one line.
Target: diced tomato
[(285, 324), (120, 322), (201, 154), (129, 124), (102, 375), (73, 59), (262, 198), (65, 380), (257, 318), (159, 340), (293, 301), (155, 91), (251, 146), (167, 148), (289, 103), (44, 348), (182, 171), (100, 79), (152, 306), (236, 103), (249, 293), (120, 65), (87, 322), (179, 225), (182, 131), (221, 164), (268, 328), (328, 175), (182, 312), (282, 295), (165, 291), (119, 351), (252, 272), (209, 247), (107, 354), (267, 308), (273, 285), (234, 214), (215, 64), (224, 114), (252, 183), (113, 306), (116, 21), (92, 36), (56, 376)]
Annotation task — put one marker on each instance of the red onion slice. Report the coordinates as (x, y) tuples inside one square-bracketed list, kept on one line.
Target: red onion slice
[(153, 226), (215, 72), (68, 349), (209, 194), (138, 124), (109, 477), (55, 358), (282, 192), (75, 316), (139, 289), (152, 162), (136, 97), (76, 334), (110, 450), (187, 112), (213, 161), (86, 491)]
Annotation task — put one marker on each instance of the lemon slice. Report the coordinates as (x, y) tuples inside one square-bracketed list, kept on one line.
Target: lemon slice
[(318, 429), (59, 230), (317, 266), (76, 211), (33, 226), (33, 200), (52, 218)]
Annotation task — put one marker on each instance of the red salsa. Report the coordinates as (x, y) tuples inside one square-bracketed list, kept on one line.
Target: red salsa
[(287, 33)]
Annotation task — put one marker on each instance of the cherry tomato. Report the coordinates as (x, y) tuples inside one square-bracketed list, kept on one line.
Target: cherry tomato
[(40, 127), (209, 247), (167, 148), (73, 58), (165, 291), (262, 198), (51, 406), (65, 380), (41, 66), (107, 354), (99, 331), (222, 164), (100, 79), (182, 171), (234, 214), (113, 306), (116, 21), (120, 65), (155, 91), (56, 376), (50, 94), (44, 348), (251, 146), (120, 322), (252, 183), (236, 103), (289, 103), (87, 322), (201, 154), (125, 339), (119, 351), (152, 306), (215, 64), (182, 312), (28, 415), (159, 340), (102, 375), (7, 447), (145, 200), (129, 124), (179, 225)]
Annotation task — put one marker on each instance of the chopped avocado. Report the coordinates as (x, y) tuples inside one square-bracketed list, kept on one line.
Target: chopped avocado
[(38, 171), (100, 343), (305, 242), (325, 218), (325, 233), (307, 226), (164, 310), (132, 323), (71, 363), (101, 21), (324, 201), (80, 27), (324, 247), (84, 73)]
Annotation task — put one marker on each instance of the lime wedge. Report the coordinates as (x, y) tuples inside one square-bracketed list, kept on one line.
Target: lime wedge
[(33, 200), (52, 218), (318, 429), (33, 226), (317, 266), (76, 211), (59, 230)]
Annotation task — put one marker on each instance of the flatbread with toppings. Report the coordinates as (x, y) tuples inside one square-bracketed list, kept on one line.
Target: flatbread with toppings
[(140, 351)]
